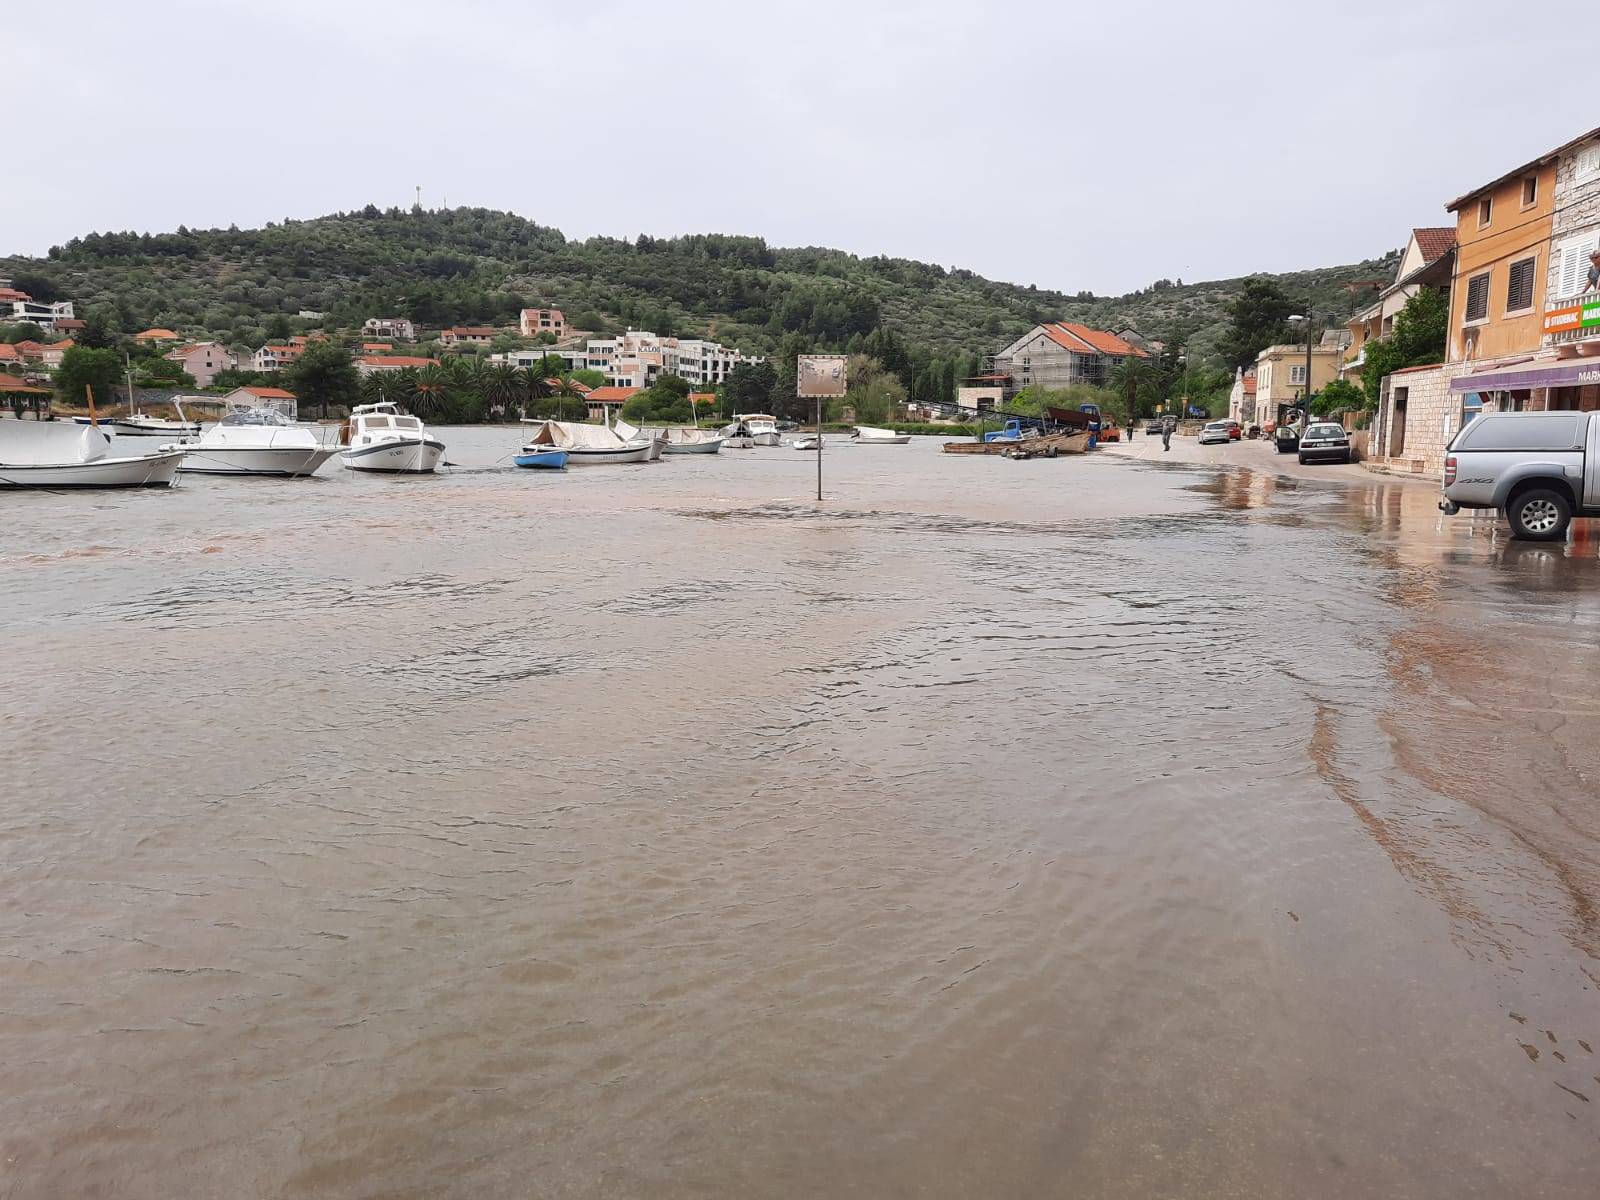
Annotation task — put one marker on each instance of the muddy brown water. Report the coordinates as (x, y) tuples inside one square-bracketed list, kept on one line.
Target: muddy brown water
[(1079, 828)]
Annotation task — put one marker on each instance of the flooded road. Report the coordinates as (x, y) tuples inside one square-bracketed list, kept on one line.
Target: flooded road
[(1087, 828)]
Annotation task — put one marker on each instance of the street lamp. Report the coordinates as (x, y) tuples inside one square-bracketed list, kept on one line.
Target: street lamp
[(1305, 407)]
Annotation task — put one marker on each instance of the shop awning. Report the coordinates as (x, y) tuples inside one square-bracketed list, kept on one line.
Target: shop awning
[(1567, 373)]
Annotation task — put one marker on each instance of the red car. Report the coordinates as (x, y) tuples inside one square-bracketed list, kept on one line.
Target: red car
[(1235, 431)]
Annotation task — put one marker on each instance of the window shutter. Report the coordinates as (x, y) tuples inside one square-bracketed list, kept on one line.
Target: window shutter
[(1568, 278), (1519, 285), (1477, 298)]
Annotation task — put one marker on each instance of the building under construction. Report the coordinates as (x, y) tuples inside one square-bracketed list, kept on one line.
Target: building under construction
[(1057, 354)]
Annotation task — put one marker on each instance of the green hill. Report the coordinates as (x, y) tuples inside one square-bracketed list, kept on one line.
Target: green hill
[(477, 265)]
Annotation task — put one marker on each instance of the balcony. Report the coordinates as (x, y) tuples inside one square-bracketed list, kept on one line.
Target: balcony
[(1576, 319)]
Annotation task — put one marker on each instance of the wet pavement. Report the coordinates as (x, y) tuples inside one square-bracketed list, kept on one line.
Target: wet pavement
[(1087, 827)]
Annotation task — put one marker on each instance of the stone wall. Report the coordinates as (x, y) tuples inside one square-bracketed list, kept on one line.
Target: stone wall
[(1432, 416)]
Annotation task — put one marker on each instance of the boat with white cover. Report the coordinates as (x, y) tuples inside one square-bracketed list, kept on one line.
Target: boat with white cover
[(762, 428), (257, 441), (632, 433), (810, 442), (868, 435), (58, 454), (379, 437), (692, 441), (587, 445)]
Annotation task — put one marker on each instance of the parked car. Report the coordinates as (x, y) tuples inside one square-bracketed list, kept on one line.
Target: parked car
[(1235, 430), (1325, 442), (1540, 469), (1216, 431)]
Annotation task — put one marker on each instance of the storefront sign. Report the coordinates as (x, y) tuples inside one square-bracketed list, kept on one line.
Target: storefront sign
[(1572, 316)]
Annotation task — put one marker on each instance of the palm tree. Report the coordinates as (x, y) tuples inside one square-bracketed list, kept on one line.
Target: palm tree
[(503, 387), (1130, 377), (377, 386), (431, 388)]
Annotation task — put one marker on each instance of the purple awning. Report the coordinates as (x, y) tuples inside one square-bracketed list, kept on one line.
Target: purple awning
[(1564, 374)]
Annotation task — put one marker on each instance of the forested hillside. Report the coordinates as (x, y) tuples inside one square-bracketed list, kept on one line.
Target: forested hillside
[(475, 265)]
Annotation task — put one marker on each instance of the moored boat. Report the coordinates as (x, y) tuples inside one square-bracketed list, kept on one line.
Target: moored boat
[(868, 435), (257, 441), (143, 425), (51, 454), (379, 437), (546, 457), (632, 433), (762, 428), (586, 445), (691, 441)]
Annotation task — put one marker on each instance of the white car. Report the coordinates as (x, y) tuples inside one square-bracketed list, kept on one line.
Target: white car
[(1217, 431)]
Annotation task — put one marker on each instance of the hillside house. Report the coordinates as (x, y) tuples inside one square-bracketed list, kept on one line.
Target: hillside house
[(1059, 354), (393, 328), (535, 321), (276, 358), (155, 337), (204, 361), (467, 335), (1426, 262)]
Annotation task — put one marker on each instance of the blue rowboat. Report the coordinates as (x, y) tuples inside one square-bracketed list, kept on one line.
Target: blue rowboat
[(540, 456)]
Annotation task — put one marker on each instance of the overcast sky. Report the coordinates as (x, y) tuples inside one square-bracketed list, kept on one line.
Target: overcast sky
[(1072, 145)]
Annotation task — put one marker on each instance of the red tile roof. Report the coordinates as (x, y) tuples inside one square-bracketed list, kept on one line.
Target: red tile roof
[(613, 395), (156, 335), (396, 360), (9, 353), (1435, 241), (1249, 385), (472, 331), (370, 346), (1105, 343), (266, 393), (13, 294), (71, 323)]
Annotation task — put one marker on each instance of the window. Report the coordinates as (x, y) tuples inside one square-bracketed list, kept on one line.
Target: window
[(1530, 191), (1477, 298), (1588, 163), (1572, 264), (1524, 431), (1519, 286), (1297, 374), (1485, 211)]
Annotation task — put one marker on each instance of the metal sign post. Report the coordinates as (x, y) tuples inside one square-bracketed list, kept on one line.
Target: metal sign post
[(821, 376)]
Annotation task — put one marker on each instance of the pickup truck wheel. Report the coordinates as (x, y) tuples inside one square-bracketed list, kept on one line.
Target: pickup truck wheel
[(1539, 515)]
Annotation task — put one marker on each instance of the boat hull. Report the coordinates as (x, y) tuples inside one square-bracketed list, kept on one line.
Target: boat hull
[(145, 470), (282, 463), (125, 427), (394, 457), (550, 460), (902, 439), (706, 447), (1060, 443), (765, 439), (600, 456)]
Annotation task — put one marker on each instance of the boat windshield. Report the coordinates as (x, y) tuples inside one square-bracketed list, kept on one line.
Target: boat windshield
[(374, 421), (407, 423), (256, 416)]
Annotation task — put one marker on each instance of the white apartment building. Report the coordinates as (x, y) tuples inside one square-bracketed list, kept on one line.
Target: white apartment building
[(44, 316)]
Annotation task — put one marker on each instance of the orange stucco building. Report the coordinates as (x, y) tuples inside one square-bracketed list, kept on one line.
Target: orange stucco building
[(1502, 240)]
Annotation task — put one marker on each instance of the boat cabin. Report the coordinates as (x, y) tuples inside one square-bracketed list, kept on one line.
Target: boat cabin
[(379, 422)]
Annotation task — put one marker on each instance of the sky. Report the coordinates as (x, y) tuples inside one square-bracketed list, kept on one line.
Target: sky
[(1071, 145)]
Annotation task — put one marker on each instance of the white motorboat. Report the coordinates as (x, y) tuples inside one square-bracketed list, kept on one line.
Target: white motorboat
[(761, 427), (867, 435), (588, 445), (379, 437), (692, 441), (257, 441), (632, 433), (809, 442), (56, 454)]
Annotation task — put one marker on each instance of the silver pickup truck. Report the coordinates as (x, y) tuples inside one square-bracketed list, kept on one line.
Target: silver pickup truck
[(1540, 469)]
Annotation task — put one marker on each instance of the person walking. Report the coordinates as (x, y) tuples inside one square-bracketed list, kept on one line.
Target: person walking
[(1167, 428)]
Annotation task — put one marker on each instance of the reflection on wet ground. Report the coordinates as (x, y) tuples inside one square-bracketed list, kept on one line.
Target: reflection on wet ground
[(1080, 828)]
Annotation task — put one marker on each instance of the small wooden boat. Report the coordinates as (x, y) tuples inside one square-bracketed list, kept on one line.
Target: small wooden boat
[(1047, 445), (542, 456), (867, 435)]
